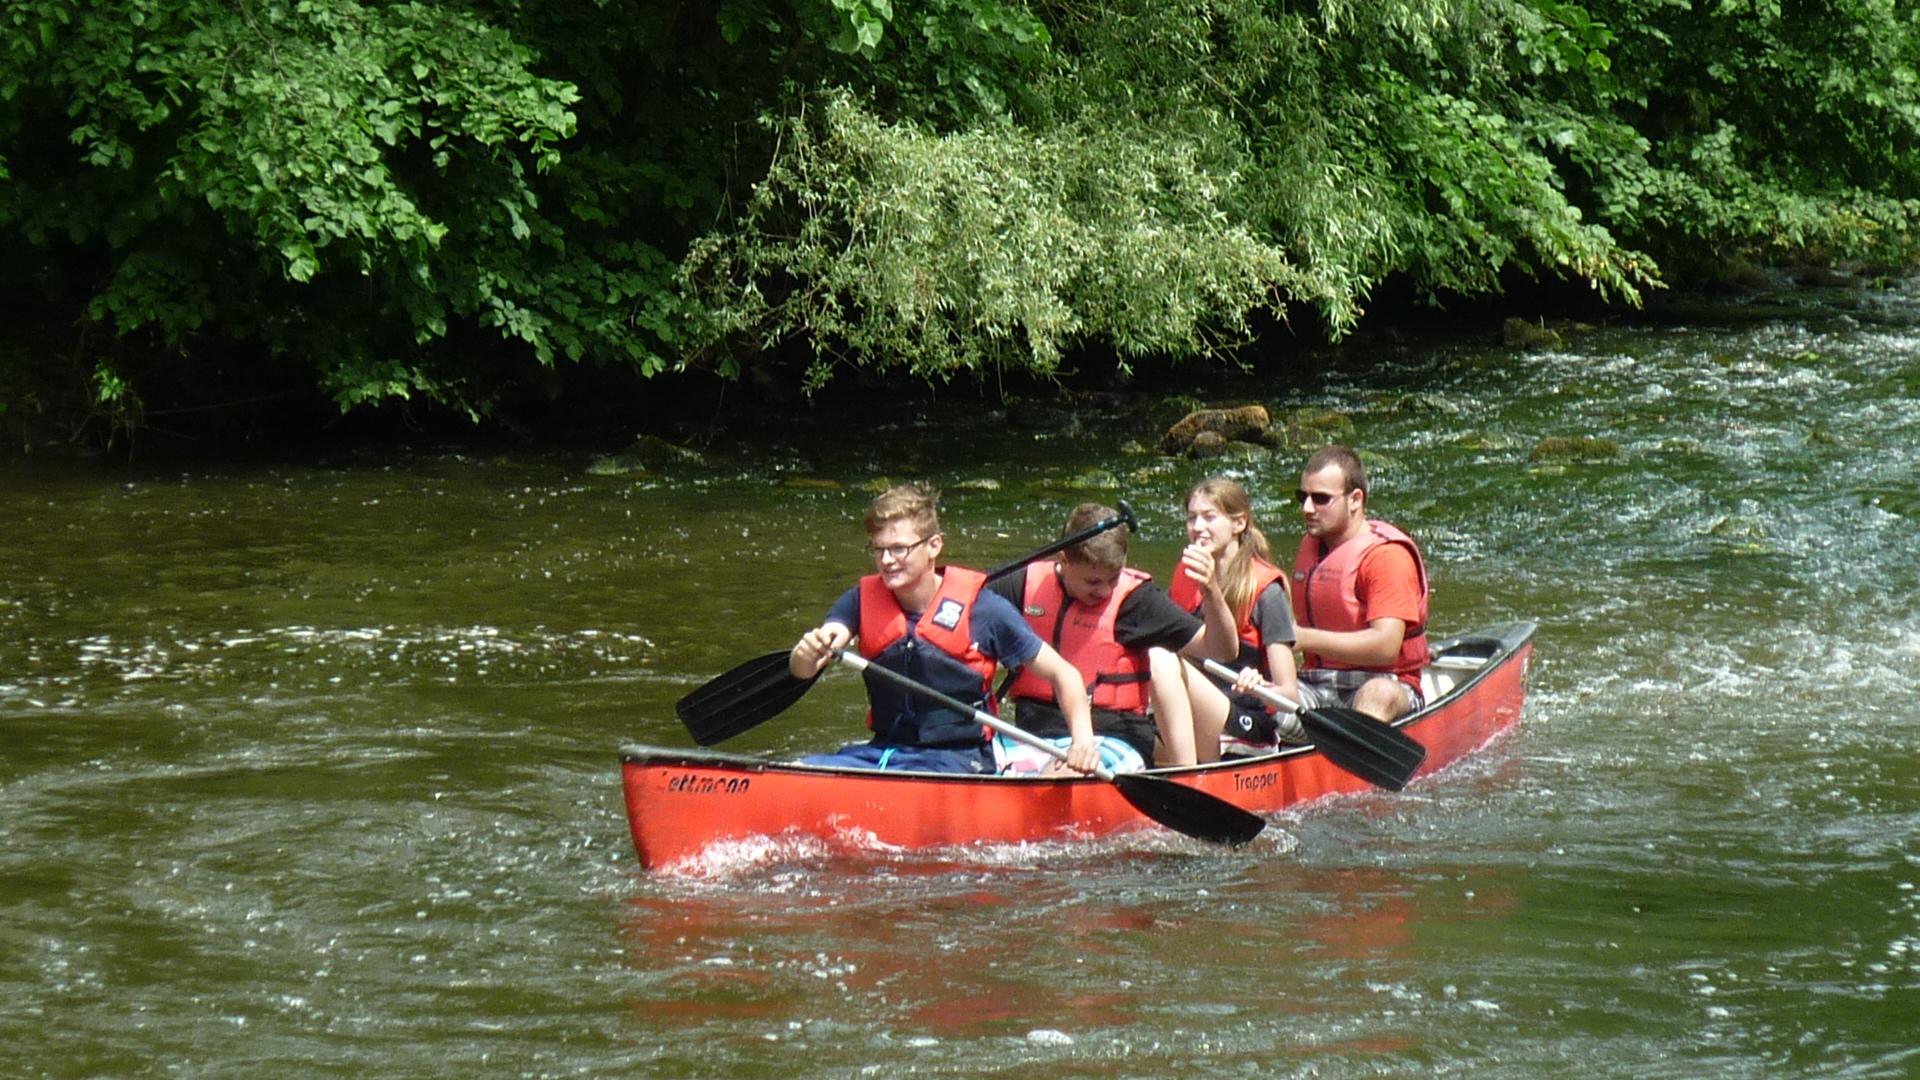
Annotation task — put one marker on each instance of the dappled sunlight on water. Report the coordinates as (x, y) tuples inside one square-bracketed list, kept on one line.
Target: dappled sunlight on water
[(310, 771)]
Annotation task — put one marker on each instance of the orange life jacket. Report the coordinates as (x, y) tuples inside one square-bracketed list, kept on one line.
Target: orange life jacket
[(1326, 595), (938, 651), (1253, 649), (1116, 677)]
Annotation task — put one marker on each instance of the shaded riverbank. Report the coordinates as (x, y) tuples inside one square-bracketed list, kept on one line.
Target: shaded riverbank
[(571, 409)]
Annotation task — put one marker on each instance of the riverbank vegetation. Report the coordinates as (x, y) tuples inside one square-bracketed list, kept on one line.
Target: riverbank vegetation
[(211, 204)]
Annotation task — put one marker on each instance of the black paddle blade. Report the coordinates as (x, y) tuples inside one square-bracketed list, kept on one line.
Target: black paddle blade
[(1378, 753), (742, 699), (1188, 810)]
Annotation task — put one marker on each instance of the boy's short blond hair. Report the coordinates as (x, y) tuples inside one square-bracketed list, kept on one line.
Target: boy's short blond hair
[(1107, 551), (905, 502)]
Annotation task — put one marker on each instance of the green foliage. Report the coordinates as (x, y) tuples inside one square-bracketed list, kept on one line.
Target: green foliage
[(1768, 128), (890, 245), (416, 199), (1190, 163)]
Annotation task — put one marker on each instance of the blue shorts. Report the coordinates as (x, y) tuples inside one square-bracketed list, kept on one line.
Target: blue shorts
[(894, 757), (1117, 755)]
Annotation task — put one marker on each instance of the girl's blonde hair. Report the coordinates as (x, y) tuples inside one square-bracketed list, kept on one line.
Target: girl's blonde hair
[(1236, 577)]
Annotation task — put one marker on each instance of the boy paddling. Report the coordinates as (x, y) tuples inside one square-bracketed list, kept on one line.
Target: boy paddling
[(937, 626), (1104, 619)]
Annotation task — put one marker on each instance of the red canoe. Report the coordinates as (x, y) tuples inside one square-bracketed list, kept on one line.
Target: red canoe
[(679, 802)]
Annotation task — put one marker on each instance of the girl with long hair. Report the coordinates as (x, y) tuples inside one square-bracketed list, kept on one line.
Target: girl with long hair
[(1226, 573)]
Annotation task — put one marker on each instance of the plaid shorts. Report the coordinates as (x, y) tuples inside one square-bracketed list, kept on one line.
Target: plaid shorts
[(1322, 687)]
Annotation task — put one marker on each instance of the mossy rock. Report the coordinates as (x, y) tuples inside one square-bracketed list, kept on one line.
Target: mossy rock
[(1426, 403), (1207, 444), (817, 483), (1245, 453), (1307, 429), (628, 465), (1576, 448), (983, 483), (1486, 440), (1521, 334), (647, 452), (1243, 423), (1331, 423)]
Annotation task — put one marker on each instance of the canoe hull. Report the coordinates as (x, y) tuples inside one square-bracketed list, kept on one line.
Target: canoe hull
[(681, 802)]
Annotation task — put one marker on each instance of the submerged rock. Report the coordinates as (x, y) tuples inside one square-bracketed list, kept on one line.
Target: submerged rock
[(618, 465), (1091, 480), (1575, 448)]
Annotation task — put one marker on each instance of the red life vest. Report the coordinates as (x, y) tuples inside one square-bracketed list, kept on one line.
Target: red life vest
[(1326, 595), (953, 665), (1184, 592), (1116, 677)]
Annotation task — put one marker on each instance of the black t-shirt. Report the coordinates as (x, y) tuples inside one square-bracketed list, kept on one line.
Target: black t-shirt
[(1147, 619)]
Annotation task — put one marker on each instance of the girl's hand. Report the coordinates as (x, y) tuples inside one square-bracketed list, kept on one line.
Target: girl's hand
[(1198, 564)]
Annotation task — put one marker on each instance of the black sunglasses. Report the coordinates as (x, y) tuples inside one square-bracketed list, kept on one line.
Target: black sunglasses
[(1320, 498)]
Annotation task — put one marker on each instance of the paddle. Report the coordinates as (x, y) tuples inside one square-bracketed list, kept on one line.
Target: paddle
[(763, 688), (1376, 752), (1183, 809), (1124, 517)]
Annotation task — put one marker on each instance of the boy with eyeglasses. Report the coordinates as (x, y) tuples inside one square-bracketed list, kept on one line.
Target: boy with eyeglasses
[(937, 626), (1359, 596)]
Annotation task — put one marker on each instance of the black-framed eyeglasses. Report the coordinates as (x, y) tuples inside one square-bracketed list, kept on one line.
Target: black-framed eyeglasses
[(896, 552), (1318, 498)]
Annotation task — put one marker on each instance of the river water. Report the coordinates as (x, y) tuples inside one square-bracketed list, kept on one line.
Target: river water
[(309, 770)]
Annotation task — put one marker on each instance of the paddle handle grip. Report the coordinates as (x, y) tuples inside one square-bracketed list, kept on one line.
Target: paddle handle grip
[(1124, 517), (1265, 693), (1011, 731)]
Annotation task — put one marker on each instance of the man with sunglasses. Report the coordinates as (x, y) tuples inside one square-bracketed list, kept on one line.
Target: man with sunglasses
[(1359, 596), (937, 626)]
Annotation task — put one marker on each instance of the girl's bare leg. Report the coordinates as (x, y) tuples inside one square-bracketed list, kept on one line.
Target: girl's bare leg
[(1172, 712), (1209, 706)]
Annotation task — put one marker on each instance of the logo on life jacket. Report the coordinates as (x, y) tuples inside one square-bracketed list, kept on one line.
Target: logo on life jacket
[(947, 615), (1033, 611)]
